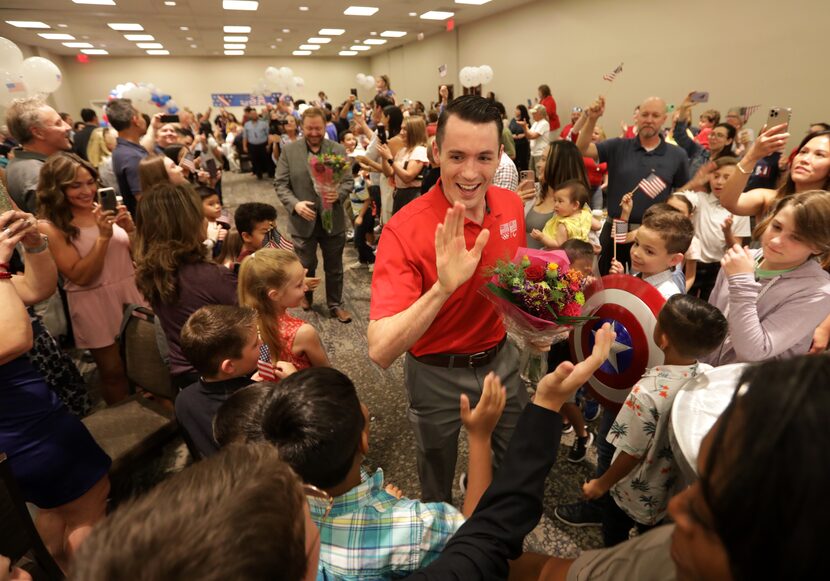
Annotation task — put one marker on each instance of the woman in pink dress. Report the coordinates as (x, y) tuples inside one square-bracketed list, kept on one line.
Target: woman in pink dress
[(91, 247)]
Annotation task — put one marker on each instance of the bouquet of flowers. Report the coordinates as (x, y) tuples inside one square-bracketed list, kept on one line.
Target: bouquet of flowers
[(327, 171), (540, 298)]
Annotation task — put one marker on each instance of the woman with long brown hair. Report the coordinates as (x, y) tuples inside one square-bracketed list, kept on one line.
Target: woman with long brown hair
[(407, 164), (91, 247), (173, 268)]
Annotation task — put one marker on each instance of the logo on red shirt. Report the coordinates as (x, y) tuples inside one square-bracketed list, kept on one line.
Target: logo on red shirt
[(509, 230)]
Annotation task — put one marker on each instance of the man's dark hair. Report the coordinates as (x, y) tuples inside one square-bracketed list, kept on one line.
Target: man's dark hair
[(236, 515), (577, 249), (471, 108), (249, 214), (824, 126), (313, 417), (675, 229), (382, 101), (500, 106), (778, 415), (77, 126), (694, 327), (215, 333), (120, 113), (88, 115), (731, 132)]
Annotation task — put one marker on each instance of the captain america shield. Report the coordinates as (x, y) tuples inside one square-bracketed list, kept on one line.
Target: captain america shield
[(631, 306)]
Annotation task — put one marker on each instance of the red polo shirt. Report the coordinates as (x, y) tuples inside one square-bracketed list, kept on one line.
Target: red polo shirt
[(405, 270)]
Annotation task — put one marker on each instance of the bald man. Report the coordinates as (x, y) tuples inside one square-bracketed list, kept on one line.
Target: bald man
[(631, 160)]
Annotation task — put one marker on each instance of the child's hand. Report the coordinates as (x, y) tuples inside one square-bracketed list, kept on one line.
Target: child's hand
[(481, 421), (626, 205), (536, 234), (616, 267), (555, 388), (312, 282), (358, 221), (394, 491), (737, 260), (593, 489), (223, 233), (283, 369), (726, 227)]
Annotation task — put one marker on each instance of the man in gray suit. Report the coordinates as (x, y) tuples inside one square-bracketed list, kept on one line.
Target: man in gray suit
[(296, 191)]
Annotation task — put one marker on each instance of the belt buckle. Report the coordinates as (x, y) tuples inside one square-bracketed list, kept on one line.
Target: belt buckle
[(476, 357)]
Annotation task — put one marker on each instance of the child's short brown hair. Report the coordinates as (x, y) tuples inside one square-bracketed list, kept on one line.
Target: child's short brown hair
[(711, 115), (577, 192), (693, 327), (675, 229), (215, 333)]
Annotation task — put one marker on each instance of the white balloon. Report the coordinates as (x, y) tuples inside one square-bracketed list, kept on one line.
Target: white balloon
[(286, 73), (370, 82), (485, 73), (10, 56), (272, 74), (361, 79), (41, 75), (299, 82), (465, 77)]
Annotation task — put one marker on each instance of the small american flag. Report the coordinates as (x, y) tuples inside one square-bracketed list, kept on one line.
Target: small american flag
[(16, 87), (620, 231), (746, 112), (652, 186), (613, 74), (188, 164), (264, 366), (276, 240)]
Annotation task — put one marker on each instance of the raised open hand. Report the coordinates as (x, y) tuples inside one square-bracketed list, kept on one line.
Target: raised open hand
[(456, 264)]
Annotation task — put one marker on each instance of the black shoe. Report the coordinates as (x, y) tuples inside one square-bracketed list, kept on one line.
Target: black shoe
[(567, 428), (590, 409), (579, 514), (580, 448)]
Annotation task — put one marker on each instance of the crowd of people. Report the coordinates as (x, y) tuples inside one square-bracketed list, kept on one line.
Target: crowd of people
[(732, 231)]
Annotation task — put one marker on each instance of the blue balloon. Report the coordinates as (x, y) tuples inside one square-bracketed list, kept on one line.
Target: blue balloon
[(173, 110), (163, 99)]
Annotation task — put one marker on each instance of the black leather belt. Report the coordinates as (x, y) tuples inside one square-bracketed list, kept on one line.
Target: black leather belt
[(462, 360)]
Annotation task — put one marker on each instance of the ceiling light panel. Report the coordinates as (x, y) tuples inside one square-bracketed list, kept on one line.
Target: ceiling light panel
[(437, 15), (236, 29), (360, 47), (149, 45), (93, 51), (125, 26), (139, 37), (158, 52), (234, 46), (376, 41), (77, 44), (319, 40), (360, 10), (235, 39), (239, 5), (96, 2), (56, 36), (347, 52), (331, 31), (301, 52), (28, 24), (472, 2), (393, 33), (309, 47), (234, 52)]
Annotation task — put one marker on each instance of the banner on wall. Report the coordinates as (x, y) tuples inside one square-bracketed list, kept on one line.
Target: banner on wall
[(243, 99)]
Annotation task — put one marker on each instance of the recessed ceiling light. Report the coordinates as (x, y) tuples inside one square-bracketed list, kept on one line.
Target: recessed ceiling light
[(413, 14), (27, 24), (301, 52), (473, 2), (150, 45), (235, 39), (373, 34), (125, 26), (234, 46), (374, 41), (286, 30), (347, 52), (63, 26), (393, 33), (97, 2), (309, 47), (239, 5), (436, 15), (303, 8), (236, 29), (93, 51), (139, 37), (185, 28), (85, 37), (361, 47), (102, 45), (194, 46), (77, 44), (331, 31), (56, 36), (158, 52), (273, 46), (319, 40), (360, 10), (188, 38), (234, 52), (279, 40), (169, 3)]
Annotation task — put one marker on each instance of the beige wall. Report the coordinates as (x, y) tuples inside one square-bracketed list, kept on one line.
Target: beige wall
[(743, 52)]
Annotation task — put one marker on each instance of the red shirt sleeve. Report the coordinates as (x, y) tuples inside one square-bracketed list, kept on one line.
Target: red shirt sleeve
[(396, 283)]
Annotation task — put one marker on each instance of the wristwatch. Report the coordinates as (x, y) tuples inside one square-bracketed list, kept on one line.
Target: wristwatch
[(40, 248)]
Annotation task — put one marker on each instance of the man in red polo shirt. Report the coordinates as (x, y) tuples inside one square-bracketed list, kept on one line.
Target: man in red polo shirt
[(432, 260)]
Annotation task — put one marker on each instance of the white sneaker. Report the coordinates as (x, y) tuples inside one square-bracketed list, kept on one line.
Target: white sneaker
[(372, 267)]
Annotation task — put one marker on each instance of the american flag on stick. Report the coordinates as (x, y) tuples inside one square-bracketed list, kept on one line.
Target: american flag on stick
[(613, 74), (276, 240), (15, 87), (264, 365), (652, 186), (620, 231), (746, 112)]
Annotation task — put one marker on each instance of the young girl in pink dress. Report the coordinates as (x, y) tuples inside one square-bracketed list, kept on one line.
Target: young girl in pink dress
[(91, 248), (272, 280)]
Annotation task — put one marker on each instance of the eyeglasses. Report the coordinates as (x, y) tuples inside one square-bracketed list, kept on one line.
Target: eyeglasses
[(312, 491)]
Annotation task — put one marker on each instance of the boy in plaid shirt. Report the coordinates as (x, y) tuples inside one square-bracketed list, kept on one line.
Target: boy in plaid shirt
[(319, 426)]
